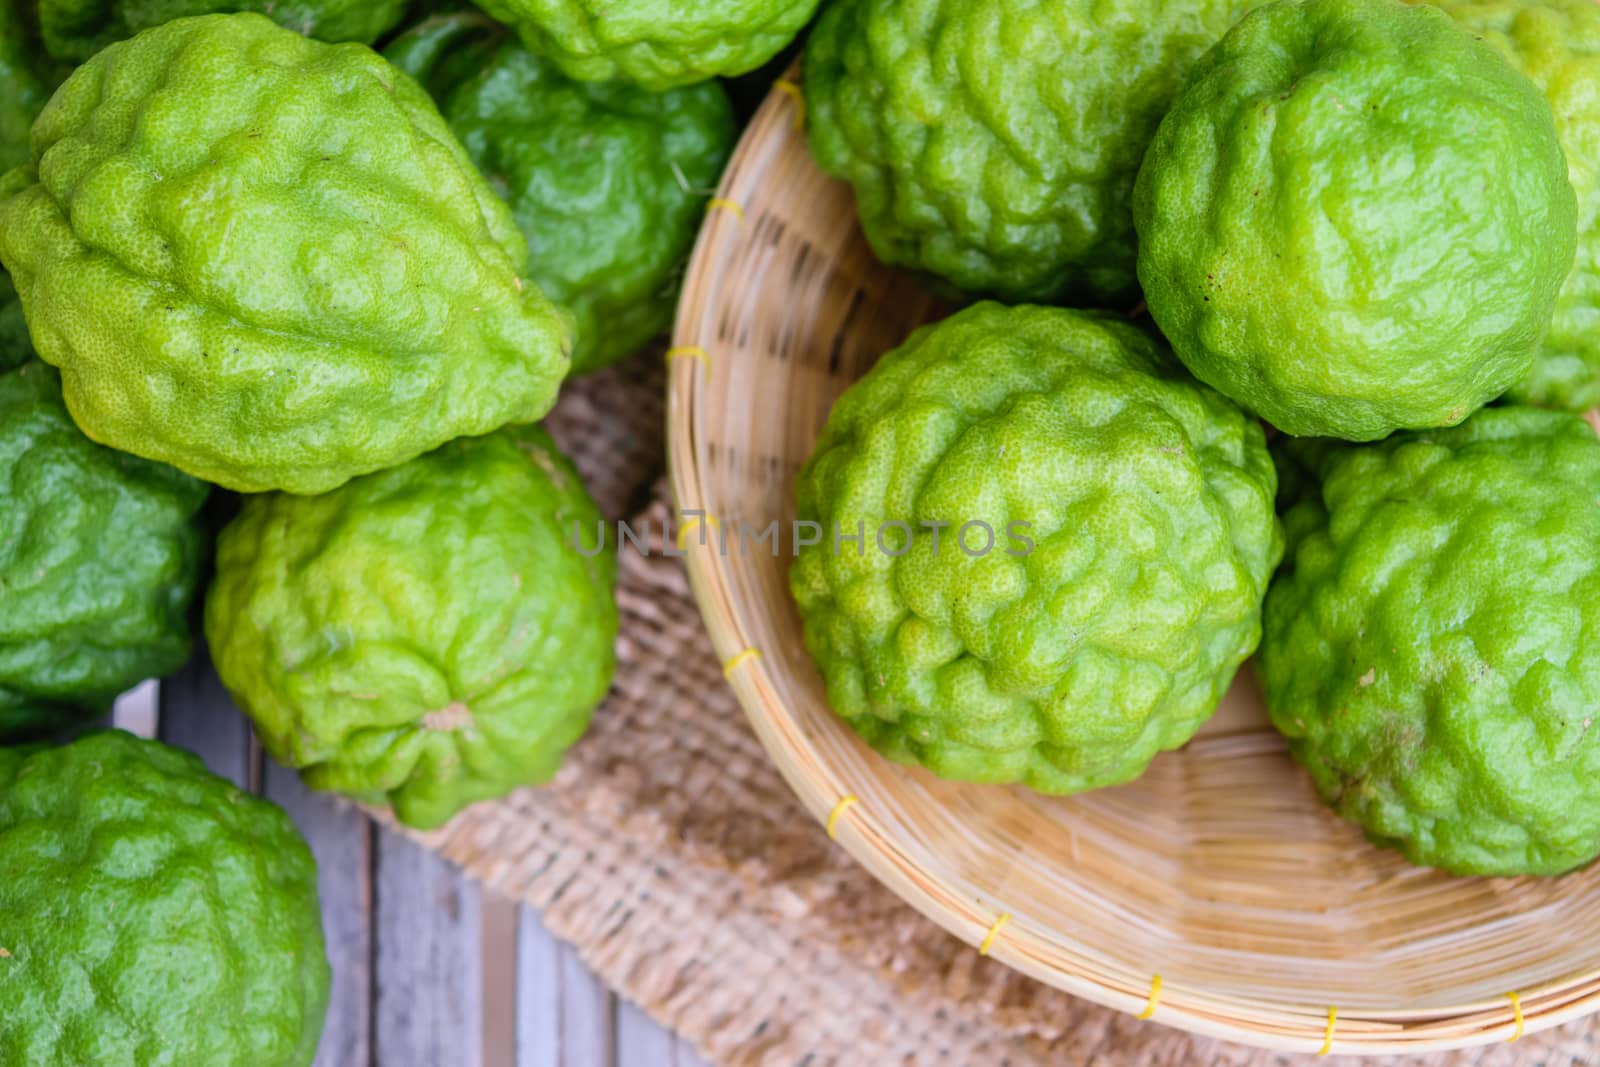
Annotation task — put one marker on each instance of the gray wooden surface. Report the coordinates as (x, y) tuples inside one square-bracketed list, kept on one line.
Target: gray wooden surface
[(428, 971)]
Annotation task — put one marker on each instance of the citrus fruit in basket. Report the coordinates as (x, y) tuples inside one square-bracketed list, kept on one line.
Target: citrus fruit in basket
[(1355, 219), (428, 636), (607, 181), (154, 914), (74, 30), (100, 556), (658, 44), (1432, 643), (1557, 44), (267, 261), (993, 144), (1108, 535), (22, 94)]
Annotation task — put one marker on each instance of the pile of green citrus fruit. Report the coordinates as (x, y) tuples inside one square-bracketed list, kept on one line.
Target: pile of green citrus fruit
[(1329, 416), (1245, 277), (337, 256)]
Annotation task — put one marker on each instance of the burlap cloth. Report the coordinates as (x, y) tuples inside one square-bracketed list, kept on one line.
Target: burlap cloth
[(671, 853)]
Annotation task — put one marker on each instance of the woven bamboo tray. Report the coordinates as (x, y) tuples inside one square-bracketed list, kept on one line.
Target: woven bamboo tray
[(1215, 893)]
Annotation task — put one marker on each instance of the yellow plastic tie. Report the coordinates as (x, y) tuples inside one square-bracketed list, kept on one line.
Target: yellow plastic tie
[(838, 810), (692, 525), (735, 662), (792, 91), (1327, 1037), (1522, 1024), (690, 352), (994, 932), (733, 207), (1155, 998)]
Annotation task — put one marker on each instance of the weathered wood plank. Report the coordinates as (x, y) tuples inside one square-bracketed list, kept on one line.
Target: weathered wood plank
[(428, 974), (198, 714), (499, 980), (138, 711), (565, 1017), (643, 1042), (341, 838)]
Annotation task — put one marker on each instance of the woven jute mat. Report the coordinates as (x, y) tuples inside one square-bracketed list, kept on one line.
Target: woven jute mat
[(671, 853)]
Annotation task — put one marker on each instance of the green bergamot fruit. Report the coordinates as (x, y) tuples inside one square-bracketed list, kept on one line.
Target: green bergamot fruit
[(268, 262), (658, 44), (1355, 219), (607, 180), (428, 636), (100, 556), (993, 144), (74, 30), (1557, 44), (152, 914), (1432, 643), (1107, 536)]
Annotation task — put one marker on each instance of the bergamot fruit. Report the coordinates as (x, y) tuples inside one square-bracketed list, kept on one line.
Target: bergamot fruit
[(428, 636), (100, 556), (1432, 644), (152, 914), (1061, 543), (993, 144), (606, 180), (22, 94), (267, 261), (658, 44), (1557, 44), (1355, 219), (74, 30)]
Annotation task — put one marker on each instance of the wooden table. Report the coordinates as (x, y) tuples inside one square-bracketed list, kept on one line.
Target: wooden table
[(428, 971)]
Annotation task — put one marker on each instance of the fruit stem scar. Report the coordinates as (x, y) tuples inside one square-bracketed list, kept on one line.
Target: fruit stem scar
[(452, 716), (994, 932), (838, 810), (5, 954), (1155, 998)]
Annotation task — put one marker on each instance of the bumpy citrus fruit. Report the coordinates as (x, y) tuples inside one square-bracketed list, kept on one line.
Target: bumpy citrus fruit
[(268, 262), (100, 555), (1432, 644), (658, 44), (1557, 44), (1107, 534), (74, 30), (1355, 219), (607, 180), (153, 914), (993, 144), (22, 94), (428, 636)]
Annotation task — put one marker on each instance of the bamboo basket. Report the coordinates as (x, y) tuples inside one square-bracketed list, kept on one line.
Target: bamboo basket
[(1215, 893)]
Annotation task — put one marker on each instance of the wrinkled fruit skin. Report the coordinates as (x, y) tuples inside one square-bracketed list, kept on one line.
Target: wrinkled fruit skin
[(266, 261), (1355, 219), (155, 915), (22, 94), (1432, 643), (657, 44), (74, 30), (100, 555), (606, 180), (993, 144), (1557, 44), (426, 636), (1150, 500)]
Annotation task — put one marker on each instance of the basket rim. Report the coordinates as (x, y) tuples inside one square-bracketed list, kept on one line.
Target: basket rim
[(1316, 1028)]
